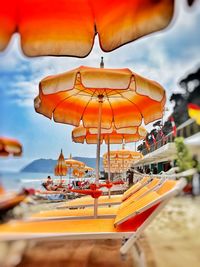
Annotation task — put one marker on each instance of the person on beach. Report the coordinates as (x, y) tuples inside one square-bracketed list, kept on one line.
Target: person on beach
[(49, 180), (49, 186)]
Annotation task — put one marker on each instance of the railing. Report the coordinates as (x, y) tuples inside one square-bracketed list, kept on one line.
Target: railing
[(187, 129)]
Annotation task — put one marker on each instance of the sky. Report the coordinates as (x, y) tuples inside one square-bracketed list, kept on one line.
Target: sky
[(166, 56)]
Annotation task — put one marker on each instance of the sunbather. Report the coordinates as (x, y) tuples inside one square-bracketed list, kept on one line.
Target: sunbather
[(52, 187)]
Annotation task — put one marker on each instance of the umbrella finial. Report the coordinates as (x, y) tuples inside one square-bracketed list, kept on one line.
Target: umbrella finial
[(70, 156), (102, 63)]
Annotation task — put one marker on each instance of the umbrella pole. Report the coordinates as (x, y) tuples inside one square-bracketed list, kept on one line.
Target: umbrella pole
[(100, 99), (123, 168), (108, 164)]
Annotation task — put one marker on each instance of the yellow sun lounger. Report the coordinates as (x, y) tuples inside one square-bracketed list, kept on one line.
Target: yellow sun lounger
[(102, 211), (104, 200), (129, 222)]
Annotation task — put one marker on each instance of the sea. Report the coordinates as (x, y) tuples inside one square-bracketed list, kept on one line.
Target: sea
[(15, 181)]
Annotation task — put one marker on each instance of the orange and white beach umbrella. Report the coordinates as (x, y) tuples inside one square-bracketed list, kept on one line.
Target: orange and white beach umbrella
[(10, 146), (121, 159), (61, 167), (100, 98), (123, 154), (125, 98), (109, 136), (89, 169), (81, 134), (74, 164), (68, 27)]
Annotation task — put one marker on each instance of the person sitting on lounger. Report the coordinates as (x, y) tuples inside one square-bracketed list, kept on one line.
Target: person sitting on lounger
[(49, 186), (49, 180)]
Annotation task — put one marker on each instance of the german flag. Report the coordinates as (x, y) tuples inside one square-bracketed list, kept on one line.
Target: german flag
[(194, 112)]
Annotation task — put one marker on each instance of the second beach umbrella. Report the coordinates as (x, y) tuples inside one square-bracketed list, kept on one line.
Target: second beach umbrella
[(110, 136)]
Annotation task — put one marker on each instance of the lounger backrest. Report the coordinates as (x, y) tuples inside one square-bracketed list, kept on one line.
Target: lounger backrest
[(135, 196), (150, 199), (166, 186), (135, 187), (153, 183), (124, 213), (142, 191)]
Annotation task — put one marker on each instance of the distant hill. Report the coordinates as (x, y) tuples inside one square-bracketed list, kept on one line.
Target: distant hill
[(47, 165)]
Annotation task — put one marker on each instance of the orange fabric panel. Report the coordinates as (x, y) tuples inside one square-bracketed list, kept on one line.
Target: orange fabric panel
[(123, 106), (131, 190), (63, 226), (8, 21), (61, 27), (149, 108), (76, 212), (128, 20), (91, 111), (134, 197), (106, 78), (127, 211), (88, 198), (90, 201), (166, 186), (153, 183)]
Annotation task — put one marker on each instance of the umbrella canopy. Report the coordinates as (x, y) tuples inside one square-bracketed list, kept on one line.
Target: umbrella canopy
[(121, 98), (74, 164), (110, 136), (78, 173), (89, 169), (10, 147), (116, 168), (68, 27), (61, 167), (123, 154), (100, 98), (81, 134), (126, 98), (120, 160)]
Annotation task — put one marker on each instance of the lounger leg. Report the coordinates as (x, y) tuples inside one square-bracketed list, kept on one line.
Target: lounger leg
[(138, 254), (128, 244), (14, 253)]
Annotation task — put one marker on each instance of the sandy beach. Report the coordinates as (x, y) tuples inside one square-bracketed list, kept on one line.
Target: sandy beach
[(174, 236)]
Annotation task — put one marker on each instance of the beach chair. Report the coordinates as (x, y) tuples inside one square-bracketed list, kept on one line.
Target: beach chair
[(102, 211), (127, 225), (156, 185), (104, 200)]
